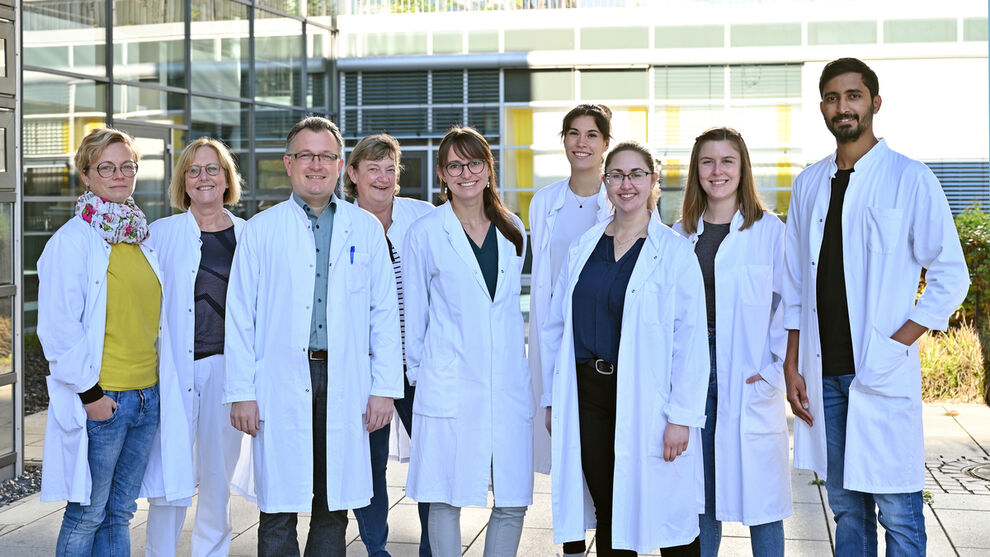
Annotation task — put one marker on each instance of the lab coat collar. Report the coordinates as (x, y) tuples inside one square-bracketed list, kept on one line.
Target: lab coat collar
[(871, 158), (459, 241)]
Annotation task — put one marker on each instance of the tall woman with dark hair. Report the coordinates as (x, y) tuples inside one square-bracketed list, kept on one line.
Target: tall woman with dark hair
[(473, 414), (740, 248)]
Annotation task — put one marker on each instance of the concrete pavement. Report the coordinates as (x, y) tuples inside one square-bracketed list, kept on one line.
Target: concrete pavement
[(956, 516)]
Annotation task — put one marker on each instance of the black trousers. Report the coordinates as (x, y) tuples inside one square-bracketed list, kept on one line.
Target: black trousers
[(596, 412), (277, 531)]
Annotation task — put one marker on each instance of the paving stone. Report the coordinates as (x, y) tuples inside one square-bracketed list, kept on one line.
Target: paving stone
[(967, 528)]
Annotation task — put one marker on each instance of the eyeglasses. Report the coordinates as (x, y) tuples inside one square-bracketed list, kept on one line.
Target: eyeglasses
[(325, 158), (107, 169), (639, 177), (455, 169), (211, 169)]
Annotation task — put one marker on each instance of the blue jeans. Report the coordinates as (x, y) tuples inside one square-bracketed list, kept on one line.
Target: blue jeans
[(277, 531), (765, 539), (119, 447), (373, 519), (901, 514)]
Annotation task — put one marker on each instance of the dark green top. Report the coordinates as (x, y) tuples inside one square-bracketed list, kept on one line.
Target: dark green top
[(321, 226), (487, 256)]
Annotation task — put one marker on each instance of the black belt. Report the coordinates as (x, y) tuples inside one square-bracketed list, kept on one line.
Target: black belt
[(318, 355), (603, 367)]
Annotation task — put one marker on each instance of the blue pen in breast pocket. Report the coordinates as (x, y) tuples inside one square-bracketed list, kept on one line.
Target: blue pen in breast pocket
[(352, 255)]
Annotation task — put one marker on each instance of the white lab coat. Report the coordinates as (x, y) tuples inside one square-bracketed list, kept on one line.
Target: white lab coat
[(405, 211), (72, 310), (662, 377), (267, 338), (543, 210), (465, 352), (895, 220), (177, 241), (752, 461)]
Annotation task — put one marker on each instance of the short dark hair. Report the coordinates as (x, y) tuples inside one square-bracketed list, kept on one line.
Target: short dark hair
[(847, 65), (315, 124), (601, 114)]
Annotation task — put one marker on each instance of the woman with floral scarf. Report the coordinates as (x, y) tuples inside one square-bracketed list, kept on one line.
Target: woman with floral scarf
[(99, 309)]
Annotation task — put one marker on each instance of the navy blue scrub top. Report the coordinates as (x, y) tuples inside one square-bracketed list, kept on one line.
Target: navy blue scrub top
[(487, 256), (598, 297)]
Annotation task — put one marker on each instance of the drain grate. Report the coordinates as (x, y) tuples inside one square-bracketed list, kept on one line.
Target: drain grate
[(962, 475), (980, 472)]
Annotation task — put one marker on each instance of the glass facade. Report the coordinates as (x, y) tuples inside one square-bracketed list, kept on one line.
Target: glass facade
[(239, 71)]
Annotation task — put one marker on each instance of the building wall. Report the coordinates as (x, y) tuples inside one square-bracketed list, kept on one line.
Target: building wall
[(669, 71)]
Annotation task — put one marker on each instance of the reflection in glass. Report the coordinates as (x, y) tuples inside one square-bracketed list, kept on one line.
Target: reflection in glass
[(6, 250), (278, 48), (3, 149), (3, 57), (6, 408), (219, 32), (148, 44), (148, 105), (291, 7), (65, 36), (149, 192), (228, 122)]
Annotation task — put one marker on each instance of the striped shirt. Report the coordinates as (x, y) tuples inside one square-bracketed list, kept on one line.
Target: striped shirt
[(397, 269)]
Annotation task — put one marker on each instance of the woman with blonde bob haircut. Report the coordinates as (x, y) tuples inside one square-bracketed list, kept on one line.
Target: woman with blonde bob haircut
[(740, 249), (177, 194), (196, 249)]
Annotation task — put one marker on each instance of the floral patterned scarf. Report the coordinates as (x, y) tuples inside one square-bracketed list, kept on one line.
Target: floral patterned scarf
[(116, 222)]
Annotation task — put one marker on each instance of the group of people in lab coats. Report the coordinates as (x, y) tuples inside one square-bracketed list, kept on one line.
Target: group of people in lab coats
[(659, 359)]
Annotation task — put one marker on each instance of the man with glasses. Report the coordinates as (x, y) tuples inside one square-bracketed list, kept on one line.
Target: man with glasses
[(313, 349)]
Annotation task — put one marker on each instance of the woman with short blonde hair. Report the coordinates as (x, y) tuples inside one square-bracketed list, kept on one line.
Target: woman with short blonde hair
[(111, 387)]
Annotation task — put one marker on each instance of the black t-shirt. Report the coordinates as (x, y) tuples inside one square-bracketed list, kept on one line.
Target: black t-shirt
[(706, 248), (833, 310), (217, 254)]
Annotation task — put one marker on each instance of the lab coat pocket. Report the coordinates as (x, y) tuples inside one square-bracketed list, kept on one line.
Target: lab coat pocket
[(357, 272), (764, 410), (880, 373), (883, 229), (64, 405), (657, 303), (436, 388), (756, 285)]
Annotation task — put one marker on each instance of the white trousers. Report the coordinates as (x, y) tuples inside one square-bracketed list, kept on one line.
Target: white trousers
[(216, 447)]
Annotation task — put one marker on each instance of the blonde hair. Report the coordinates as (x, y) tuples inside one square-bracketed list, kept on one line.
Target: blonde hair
[(651, 163), (177, 195), (695, 198), (95, 142), (373, 148)]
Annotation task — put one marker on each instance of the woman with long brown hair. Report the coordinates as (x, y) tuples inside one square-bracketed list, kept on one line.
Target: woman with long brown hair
[(473, 414), (740, 249)]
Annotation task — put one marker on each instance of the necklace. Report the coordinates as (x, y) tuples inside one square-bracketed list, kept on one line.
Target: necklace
[(617, 244), (577, 199)]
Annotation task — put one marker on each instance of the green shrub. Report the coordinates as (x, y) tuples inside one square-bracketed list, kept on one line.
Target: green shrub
[(974, 233), (952, 365)]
